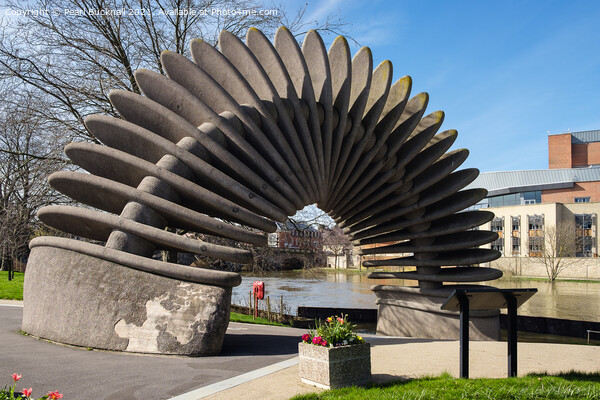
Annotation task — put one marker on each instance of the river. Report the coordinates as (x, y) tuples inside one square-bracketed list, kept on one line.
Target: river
[(319, 288)]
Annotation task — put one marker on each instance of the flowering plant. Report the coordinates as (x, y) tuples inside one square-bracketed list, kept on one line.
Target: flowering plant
[(335, 332), (25, 394)]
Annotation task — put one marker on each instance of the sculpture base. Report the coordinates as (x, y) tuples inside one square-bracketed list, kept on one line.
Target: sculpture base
[(416, 312), (82, 300)]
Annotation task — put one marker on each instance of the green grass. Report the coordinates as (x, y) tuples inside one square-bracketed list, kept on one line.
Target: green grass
[(572, 385), (236, 317), (11, 290)]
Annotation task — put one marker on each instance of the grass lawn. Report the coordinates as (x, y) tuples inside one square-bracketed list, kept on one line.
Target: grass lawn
[(570, 385), (236, 317), (11, 290), (524, 278)]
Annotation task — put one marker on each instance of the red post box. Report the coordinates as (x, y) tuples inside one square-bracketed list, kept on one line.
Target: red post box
[(259, 289)]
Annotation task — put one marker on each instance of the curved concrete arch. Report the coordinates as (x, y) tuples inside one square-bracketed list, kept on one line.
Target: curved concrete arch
[(241, 137)]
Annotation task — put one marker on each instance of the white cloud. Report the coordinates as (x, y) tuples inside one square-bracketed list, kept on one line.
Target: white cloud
[(324, 8)]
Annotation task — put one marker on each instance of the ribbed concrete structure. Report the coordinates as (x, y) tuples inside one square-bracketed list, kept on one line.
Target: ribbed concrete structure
[(235, 140)]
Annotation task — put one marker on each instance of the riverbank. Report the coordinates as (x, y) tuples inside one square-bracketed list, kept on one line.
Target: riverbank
[(506, 277), (564, 299)]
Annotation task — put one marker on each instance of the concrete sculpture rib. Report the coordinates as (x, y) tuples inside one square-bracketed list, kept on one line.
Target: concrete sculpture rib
[(226, 145)]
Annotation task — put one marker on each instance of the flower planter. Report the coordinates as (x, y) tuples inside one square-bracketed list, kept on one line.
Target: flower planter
[(335, 367)]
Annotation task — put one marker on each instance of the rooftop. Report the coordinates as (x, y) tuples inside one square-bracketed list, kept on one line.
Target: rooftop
[(506, 182), (583, 136)]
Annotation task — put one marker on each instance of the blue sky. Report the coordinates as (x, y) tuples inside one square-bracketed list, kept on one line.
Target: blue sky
[(504, 72)]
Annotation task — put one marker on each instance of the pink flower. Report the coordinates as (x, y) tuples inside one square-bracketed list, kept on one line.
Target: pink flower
[(324, 343), (306, 338), (340, 320), (54, 395), (317, 340), (27, 392), (16, 377)]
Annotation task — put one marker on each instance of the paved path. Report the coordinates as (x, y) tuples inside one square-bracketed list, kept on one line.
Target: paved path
[(258, 362), (83, 374)]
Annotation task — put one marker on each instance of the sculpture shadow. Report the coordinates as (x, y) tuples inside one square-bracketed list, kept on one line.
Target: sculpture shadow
[(383, 340), (383, 380), (259, 345)]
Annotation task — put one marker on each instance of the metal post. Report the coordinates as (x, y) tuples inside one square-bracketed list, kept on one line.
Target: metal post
[(255, 305), (250, 312), (511, 301), (10, 270), (464, 335)]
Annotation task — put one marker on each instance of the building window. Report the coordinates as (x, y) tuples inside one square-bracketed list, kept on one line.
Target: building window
[(582, 199), (498, 227), (536, 235), (515, 199), (516, 235), (532, 197), (584, 236)]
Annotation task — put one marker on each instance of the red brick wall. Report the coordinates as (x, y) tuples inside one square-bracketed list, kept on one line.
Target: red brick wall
[(580, 189), (559, 151), (586, 154)]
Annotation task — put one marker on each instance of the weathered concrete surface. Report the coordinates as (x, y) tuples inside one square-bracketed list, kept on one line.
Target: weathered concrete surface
[(332, 368), (81, 300), (415, 312)]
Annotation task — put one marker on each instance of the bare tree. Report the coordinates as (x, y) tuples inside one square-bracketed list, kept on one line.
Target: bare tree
[(80, 50), (335, 241), (26, 159), (61, 64), (559, 245)]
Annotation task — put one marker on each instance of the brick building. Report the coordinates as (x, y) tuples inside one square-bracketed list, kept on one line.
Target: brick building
[(296, 236), (573, 175), (527, 204)]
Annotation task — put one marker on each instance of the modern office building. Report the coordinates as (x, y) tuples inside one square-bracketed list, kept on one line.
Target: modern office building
[(530, 205)]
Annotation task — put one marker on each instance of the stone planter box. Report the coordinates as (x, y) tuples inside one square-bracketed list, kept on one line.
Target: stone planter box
[(335, 367)]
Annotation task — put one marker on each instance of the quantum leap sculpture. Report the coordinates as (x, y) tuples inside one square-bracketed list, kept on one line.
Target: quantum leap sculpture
[(225, 145)]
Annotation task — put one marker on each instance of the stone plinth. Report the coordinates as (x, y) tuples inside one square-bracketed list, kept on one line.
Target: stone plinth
[(82, 300), (415, 312), (335, 367)]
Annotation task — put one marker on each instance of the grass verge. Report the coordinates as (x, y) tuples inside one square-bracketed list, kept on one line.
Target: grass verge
[(236, 317), (533, 279), (11, 290), (571, 385)]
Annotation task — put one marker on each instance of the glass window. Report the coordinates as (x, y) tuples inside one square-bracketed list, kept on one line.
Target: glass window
[(536, 235), (498, 226), (583, 235), (516, 235), (582, 199)]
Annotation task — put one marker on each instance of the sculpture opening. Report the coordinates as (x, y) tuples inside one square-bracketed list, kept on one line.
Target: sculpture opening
[(227, 145)]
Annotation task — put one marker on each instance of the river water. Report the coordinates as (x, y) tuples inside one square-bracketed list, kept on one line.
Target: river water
[(566, 300)]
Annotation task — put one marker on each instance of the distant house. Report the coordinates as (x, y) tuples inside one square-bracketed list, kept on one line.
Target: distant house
[(299, 236)]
